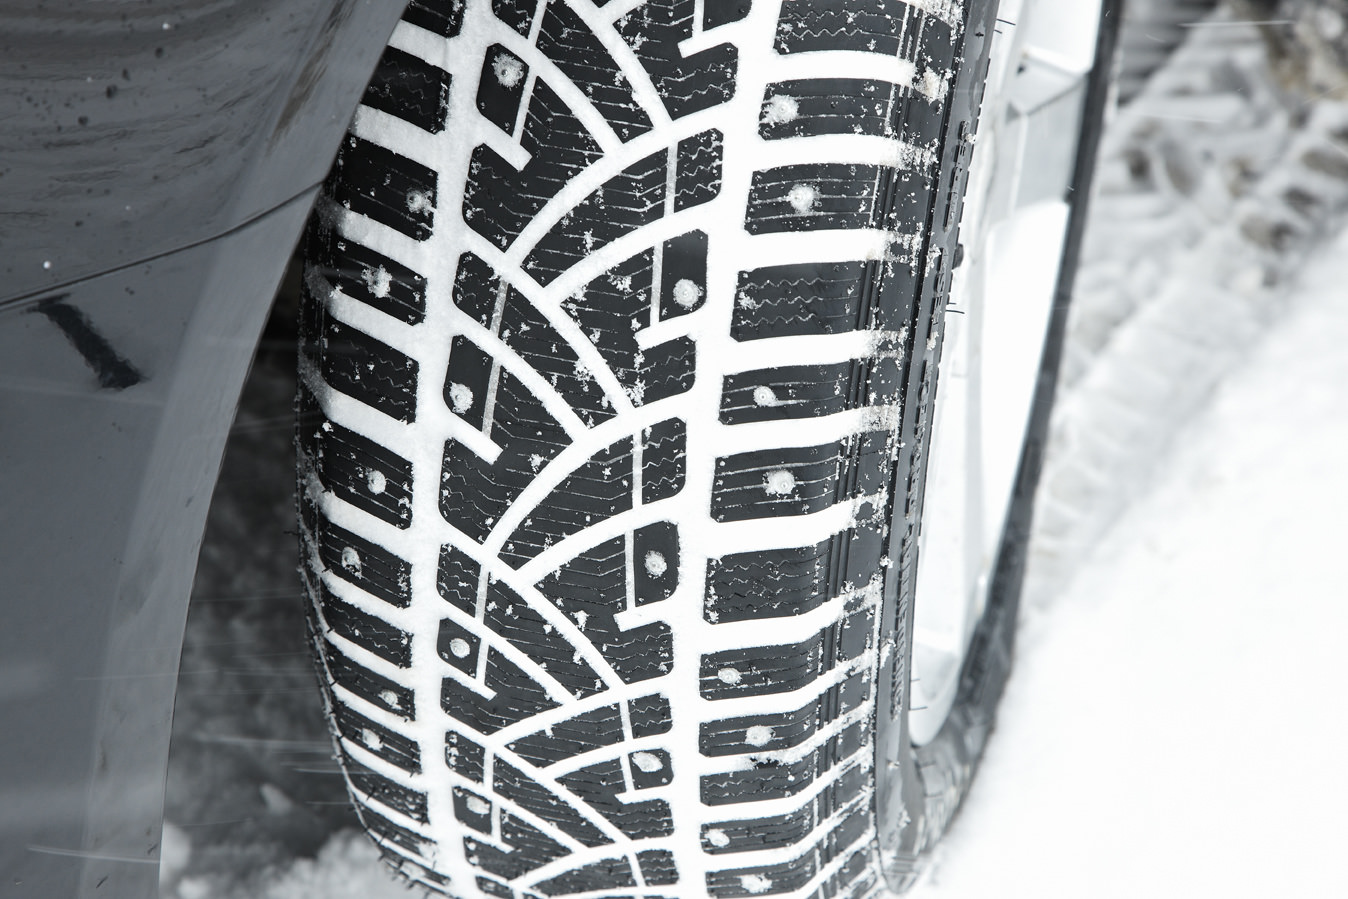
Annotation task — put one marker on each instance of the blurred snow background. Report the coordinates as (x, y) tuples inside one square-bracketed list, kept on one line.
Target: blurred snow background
[(1174, 723)]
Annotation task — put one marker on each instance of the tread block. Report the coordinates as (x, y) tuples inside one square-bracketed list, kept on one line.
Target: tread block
[(500, 88), (772, 778), (438, 16), (365, 474), (724, 12), (477, 289), (499, 201), (472, 810), (518, 14), (655, 562), (683, 274), (650, 715), (374, 688), (627, 201), (670, 369), (464, 757), (697, 177), (411, 89), (567, 40), (384, 829), (600, 875), (663, 468), (530, 848), (815, 106), (808, 298), (685, 84), (794, 391), (601, 785), (458, 646), (411, 803), (657, 867), (789, 876), (495, 888), (368, 370), (392, 747), (385, 186), (849, 787), (887, 27), (367, 276), (764, 670), (798, 480), (369, 632), (529, 794), (589, 730), (513, 697), (834, 195), (768, 733), (598, 489), (458, 579), (786, 582), (468, 380), (362, 563)]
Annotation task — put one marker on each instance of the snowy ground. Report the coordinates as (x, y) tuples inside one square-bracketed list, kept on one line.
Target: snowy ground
[(1172, 725), (1175, 725)]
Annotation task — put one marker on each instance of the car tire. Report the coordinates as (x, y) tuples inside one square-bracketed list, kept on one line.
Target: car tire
[(620, 338)]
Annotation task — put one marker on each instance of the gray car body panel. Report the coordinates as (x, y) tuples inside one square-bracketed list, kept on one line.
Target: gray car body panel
[(143, 231)]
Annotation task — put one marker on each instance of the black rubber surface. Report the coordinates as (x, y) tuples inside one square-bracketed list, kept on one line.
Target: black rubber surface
[(585, 507)]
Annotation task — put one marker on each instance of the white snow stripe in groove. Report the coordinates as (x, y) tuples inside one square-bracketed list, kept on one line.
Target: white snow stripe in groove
[(787, 630), (348, 412), (432, 48), (362, 657), (720, 815), (377, 323), (844, 149), (545, 303), (821, 65), (786, 702), (807, 845), (616, 9), (808, 349), (401, 818), (786, 531), (812, 431), (548, 717), (844, 855), (392, 133), (380, 237)]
